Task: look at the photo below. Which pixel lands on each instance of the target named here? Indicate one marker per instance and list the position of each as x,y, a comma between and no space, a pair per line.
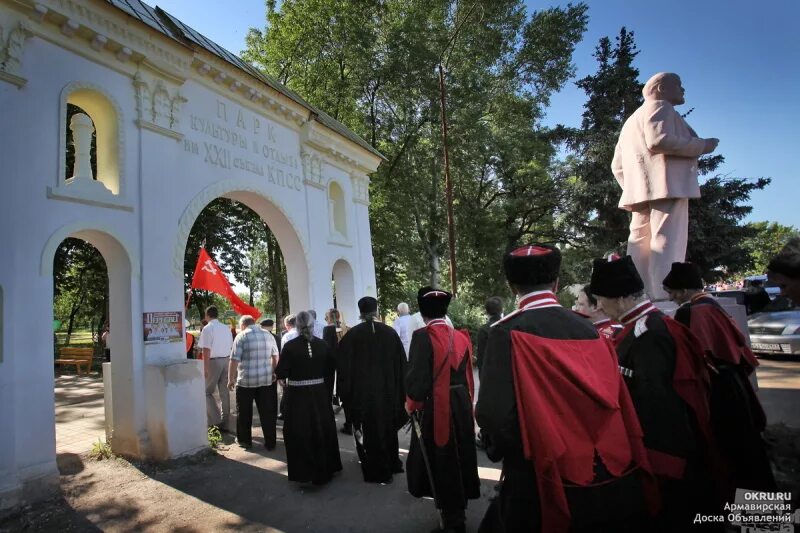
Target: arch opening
344,295
92,324
257,247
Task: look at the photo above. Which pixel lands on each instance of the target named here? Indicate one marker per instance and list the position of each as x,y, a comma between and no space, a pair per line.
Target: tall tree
767,240
234,235
716,232
372,65
613,94
80,285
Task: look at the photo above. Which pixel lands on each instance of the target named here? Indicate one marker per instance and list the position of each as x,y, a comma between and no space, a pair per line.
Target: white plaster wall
29,151
166,184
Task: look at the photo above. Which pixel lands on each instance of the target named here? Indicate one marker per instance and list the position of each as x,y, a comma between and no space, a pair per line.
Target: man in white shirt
404,326
215,343
319,325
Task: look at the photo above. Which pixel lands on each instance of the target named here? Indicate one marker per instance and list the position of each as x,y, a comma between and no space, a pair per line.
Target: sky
739,62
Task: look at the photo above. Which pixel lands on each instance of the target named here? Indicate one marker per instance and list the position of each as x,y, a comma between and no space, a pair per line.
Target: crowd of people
612,416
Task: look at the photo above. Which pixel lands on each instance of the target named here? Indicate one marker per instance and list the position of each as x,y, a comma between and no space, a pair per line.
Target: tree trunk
435,268
273,265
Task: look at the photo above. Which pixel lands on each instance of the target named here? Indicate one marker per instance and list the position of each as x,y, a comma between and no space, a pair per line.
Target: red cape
720,335
450,346
572,404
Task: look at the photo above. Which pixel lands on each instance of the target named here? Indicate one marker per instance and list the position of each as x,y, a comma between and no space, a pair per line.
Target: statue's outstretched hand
711,145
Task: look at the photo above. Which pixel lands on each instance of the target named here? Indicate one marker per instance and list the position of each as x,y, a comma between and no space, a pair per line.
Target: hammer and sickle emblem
208,266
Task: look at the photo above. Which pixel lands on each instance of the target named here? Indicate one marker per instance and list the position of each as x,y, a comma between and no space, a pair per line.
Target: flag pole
191,289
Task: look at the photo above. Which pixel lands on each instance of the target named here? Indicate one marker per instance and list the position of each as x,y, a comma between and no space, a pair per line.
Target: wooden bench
76,356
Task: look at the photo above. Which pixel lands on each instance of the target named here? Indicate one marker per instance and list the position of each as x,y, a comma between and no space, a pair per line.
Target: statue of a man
655,163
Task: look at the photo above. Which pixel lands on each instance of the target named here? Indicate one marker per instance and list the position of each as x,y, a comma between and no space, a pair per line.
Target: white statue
655,163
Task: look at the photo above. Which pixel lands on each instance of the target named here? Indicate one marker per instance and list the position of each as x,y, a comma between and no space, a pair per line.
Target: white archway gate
180,124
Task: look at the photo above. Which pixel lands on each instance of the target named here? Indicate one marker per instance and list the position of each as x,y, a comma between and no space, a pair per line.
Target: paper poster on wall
163,327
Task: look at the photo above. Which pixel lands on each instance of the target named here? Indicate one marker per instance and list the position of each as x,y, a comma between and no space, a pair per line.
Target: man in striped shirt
254,357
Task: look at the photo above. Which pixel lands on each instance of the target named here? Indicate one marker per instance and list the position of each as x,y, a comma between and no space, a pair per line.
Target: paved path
80,415
779,390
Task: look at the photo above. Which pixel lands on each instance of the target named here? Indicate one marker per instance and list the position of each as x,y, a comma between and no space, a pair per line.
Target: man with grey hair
403,325
655,164
254,357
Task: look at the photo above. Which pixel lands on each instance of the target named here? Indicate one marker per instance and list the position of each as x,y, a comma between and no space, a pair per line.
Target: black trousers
266,399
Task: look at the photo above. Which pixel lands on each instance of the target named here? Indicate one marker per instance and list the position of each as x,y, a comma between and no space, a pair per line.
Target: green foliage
613,94
100,450
767,240
716,232
80,286
245,249
214,437
373,66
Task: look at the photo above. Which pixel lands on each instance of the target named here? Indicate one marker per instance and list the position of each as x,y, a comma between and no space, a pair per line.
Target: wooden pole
448,185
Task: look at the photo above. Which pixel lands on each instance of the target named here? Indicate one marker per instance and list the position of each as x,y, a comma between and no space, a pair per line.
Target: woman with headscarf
309,428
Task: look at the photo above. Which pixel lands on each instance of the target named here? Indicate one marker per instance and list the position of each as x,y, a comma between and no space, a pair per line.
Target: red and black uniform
605,327
439,384
737,417
556,412
668,380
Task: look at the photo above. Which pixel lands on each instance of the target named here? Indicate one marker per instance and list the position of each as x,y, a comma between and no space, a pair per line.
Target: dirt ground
232,490
237,490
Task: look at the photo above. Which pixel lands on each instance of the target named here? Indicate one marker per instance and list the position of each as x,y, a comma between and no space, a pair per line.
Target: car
776,329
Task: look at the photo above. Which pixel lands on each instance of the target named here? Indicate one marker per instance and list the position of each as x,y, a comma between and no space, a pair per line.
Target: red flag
209,277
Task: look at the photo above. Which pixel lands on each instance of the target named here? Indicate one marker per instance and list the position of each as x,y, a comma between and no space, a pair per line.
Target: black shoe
347,429
245,445
269,448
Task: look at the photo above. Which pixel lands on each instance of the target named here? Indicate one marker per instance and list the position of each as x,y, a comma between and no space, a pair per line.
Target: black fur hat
432,302
532,264
615,277
684,276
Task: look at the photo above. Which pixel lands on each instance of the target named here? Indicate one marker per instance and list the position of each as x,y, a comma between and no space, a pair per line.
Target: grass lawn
79,337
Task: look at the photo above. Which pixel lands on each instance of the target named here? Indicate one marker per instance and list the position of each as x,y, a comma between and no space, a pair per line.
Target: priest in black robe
370,366
309,427
666,373
554,409
737,417
439,386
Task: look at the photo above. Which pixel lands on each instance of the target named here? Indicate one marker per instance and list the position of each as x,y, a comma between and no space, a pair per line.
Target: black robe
370,365
309,427
455,465
483,340
737,418
608,506
332,340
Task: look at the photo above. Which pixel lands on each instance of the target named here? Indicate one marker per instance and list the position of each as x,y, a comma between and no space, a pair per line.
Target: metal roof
168,25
